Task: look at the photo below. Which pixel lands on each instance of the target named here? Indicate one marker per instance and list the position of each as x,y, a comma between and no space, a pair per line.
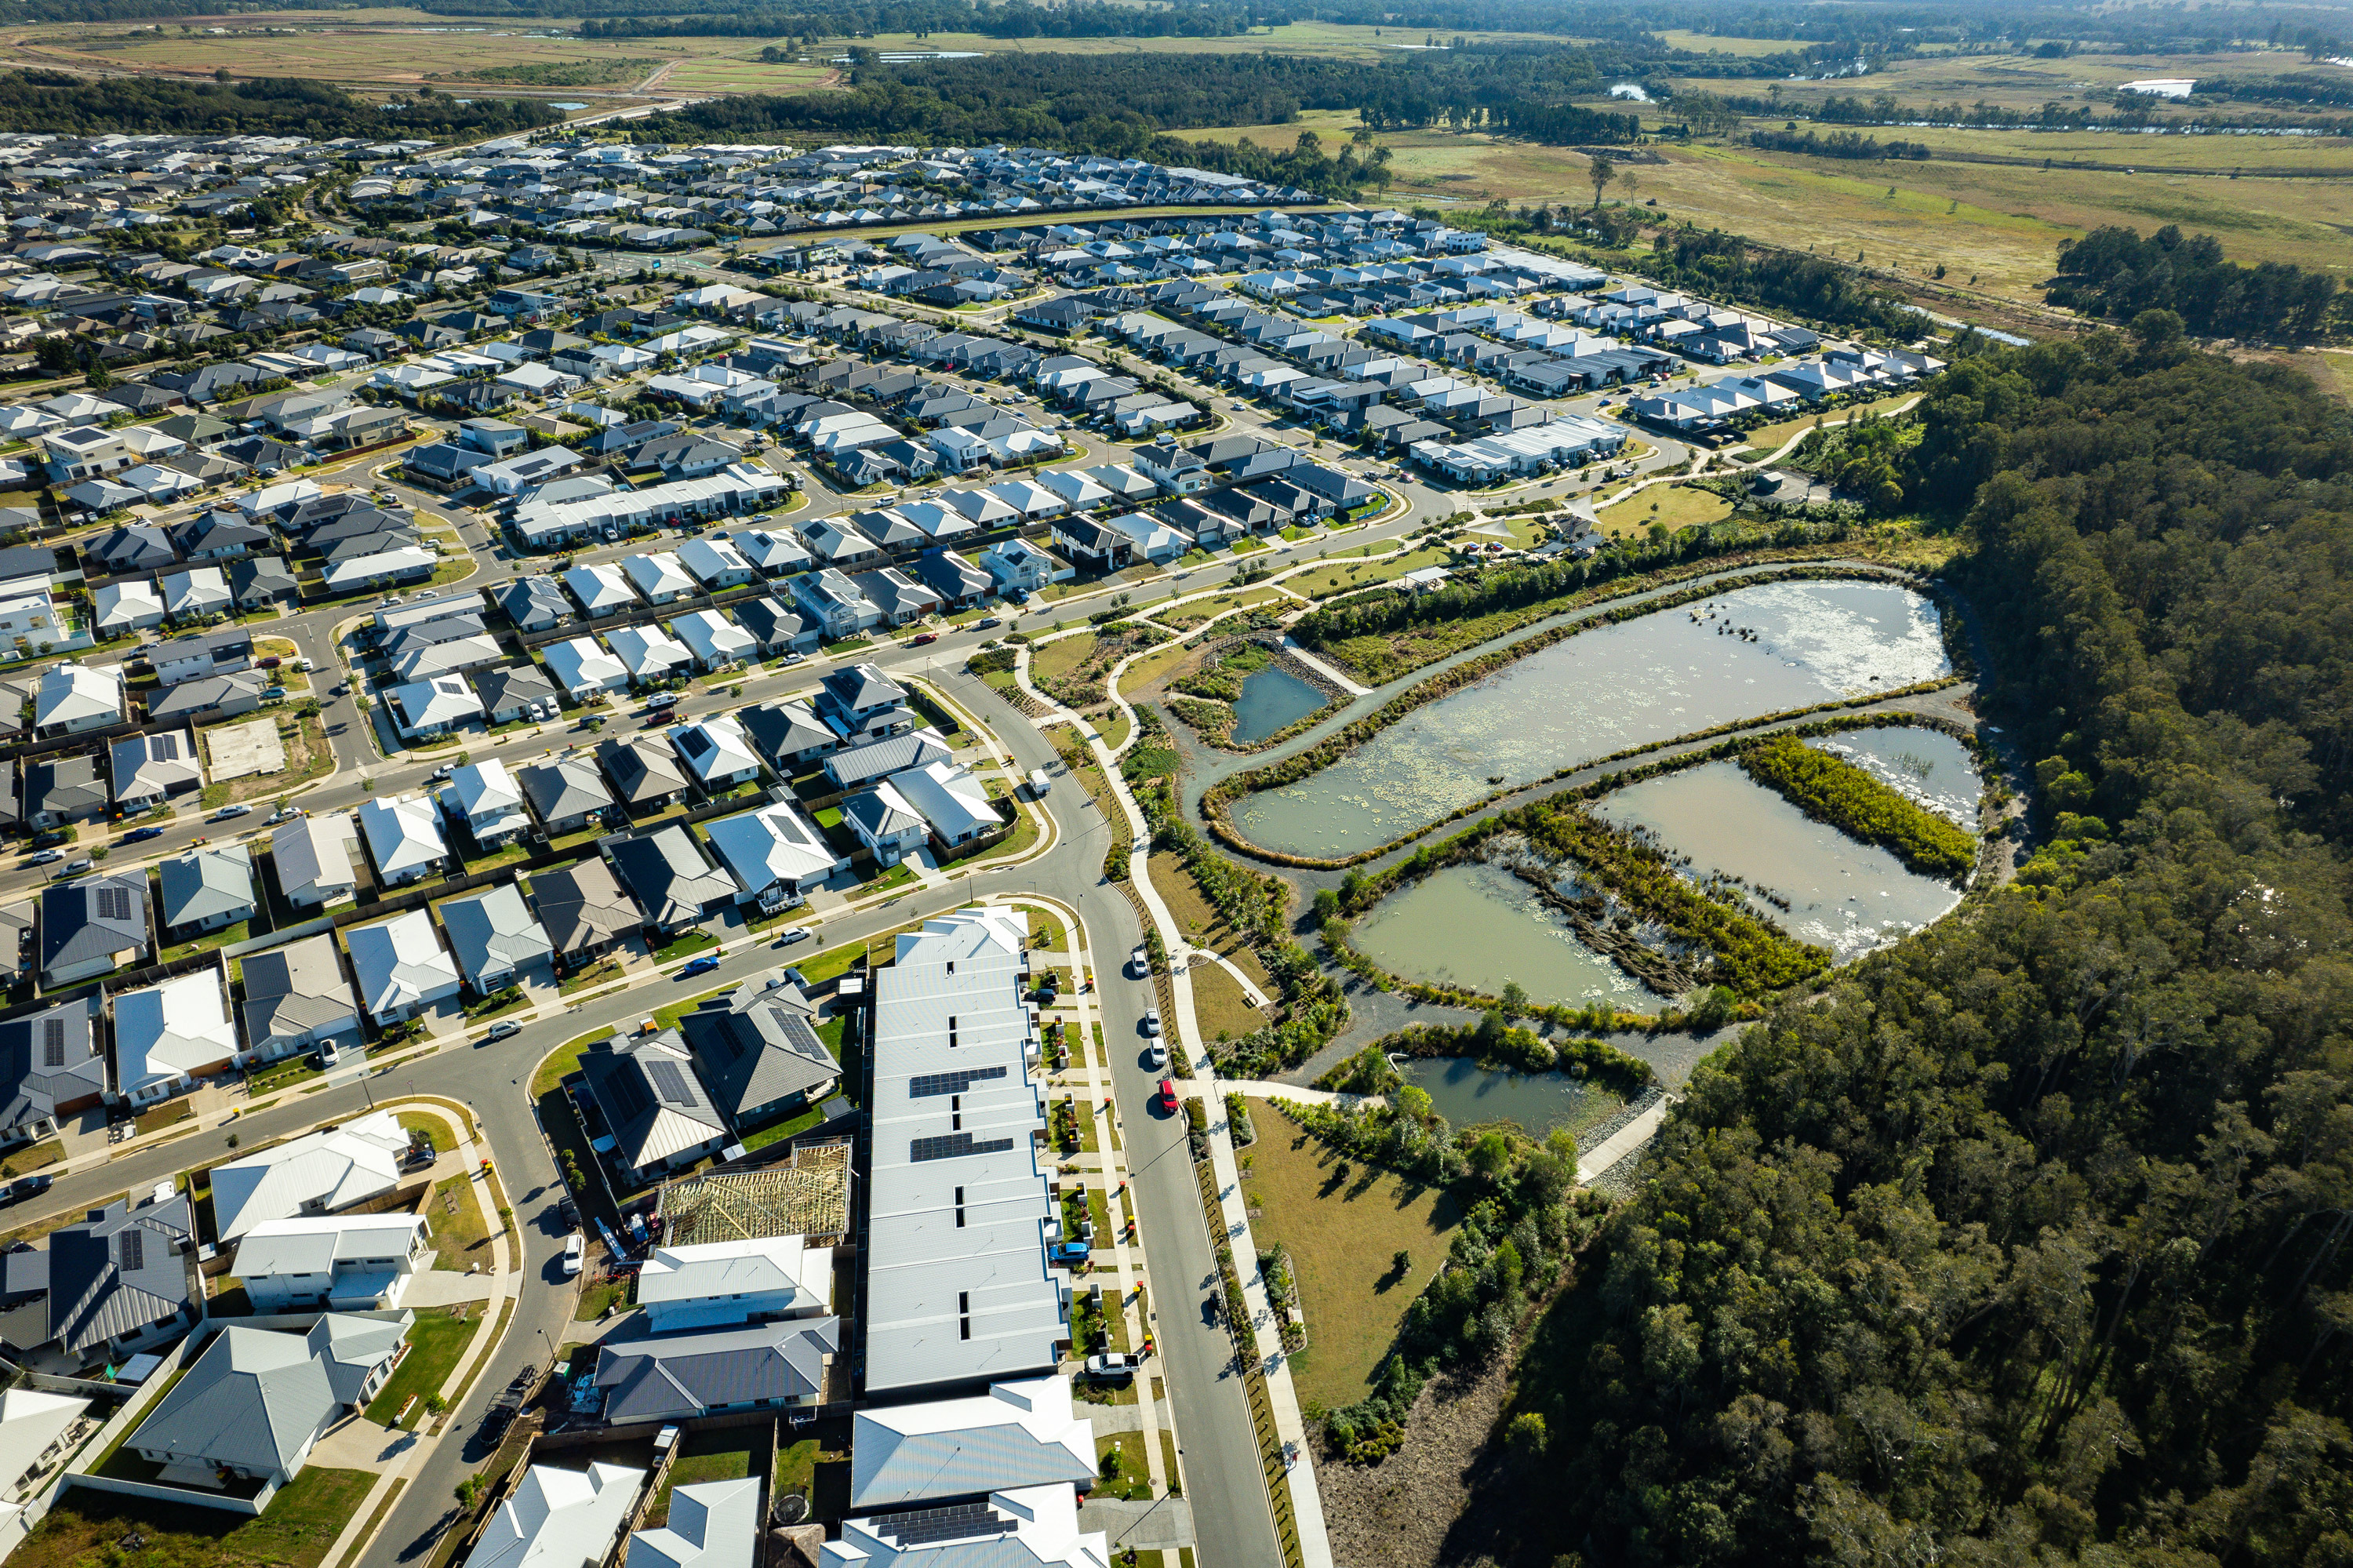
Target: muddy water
1643,680
1929,768
1467,1094
1479,926
1272,699
1847,896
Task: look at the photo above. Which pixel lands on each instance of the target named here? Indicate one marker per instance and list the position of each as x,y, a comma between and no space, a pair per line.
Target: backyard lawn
85,1527
1343,1223
436,1340
721,1456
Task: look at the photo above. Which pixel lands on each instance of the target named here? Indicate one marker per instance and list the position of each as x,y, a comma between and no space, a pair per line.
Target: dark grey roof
294,989
758,1047
779,730
46,1060
668,874
261,577
692,1374
191,699
584,905
768,622
880,819
507,686
562,787
70,786
654,1104
91,918
135,547
862,686
101,1284
640,771
432,633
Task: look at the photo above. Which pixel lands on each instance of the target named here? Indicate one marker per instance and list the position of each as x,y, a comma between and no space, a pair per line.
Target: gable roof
319,1173
558,1519
209,881
711,1524
1018,1434
49,1059
654,1105
564,787
254,1399
687,1375
399,961
98,1287
758,1045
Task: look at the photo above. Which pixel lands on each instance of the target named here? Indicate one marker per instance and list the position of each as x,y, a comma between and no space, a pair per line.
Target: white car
1136,962
1156,1053
1152,1021
575,1251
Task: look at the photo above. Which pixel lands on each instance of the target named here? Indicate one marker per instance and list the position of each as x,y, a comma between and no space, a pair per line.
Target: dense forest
1814,287
1850,144
1016,19
2028,1244
72,105
2114,272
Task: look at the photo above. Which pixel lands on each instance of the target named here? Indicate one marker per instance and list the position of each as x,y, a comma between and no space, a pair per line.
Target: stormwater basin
1750,653
1479,926
1466,1093
1847,896
1932,769
1272,700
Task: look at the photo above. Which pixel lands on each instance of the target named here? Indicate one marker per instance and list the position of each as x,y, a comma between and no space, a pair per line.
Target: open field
1708,44
1676,506
1343,1223
2011,81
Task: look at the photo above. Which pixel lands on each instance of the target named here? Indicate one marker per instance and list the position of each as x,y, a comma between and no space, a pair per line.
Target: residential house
666,871
319,1174
659,577
433,706
206,889
1024,1433
583,911
297,999
776,853
777,1366
566,792
121,1280
201,702
534,604
715,563
345,1263
560,1519
509,693
772,628
167,1036
650,653
52,1068
313,860
1037,1526
860,703
758,1051
92,927
497,941
257,1402
151,769
404,838
644,772
745,1279
952,800
788,734
584,669
711,1525
482,797
855,766
654,1109
401,967
885,823
63,789
73,699
717,755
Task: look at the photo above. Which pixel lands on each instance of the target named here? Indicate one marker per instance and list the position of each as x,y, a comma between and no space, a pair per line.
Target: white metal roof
1021,1434
323,1170
167,1030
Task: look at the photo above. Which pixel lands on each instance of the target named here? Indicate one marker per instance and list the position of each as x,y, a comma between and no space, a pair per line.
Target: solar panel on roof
134,1251
955,1145
53,1042
166,747
670,1083
924,1085
964,1522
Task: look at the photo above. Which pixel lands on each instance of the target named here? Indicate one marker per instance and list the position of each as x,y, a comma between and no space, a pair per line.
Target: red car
918,642
1169,1094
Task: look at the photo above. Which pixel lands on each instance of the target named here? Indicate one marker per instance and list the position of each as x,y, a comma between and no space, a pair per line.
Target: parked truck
510,1403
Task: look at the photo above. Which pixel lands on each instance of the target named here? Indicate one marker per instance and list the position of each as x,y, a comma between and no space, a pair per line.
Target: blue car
140,835
1071,1253
702,966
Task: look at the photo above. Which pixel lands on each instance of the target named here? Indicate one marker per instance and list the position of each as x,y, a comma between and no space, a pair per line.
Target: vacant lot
1342,1223
86,1528
1676,506
460,1237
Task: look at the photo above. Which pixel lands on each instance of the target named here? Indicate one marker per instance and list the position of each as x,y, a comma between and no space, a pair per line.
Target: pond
1929,768
1478,926
1751,651
1847,896
1467,1094
1272,699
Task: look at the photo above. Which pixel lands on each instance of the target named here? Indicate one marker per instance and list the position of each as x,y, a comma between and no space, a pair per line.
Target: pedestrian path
1265,1089
1624,1141
1327,670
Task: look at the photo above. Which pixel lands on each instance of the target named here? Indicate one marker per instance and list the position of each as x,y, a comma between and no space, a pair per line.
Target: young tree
1602,172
